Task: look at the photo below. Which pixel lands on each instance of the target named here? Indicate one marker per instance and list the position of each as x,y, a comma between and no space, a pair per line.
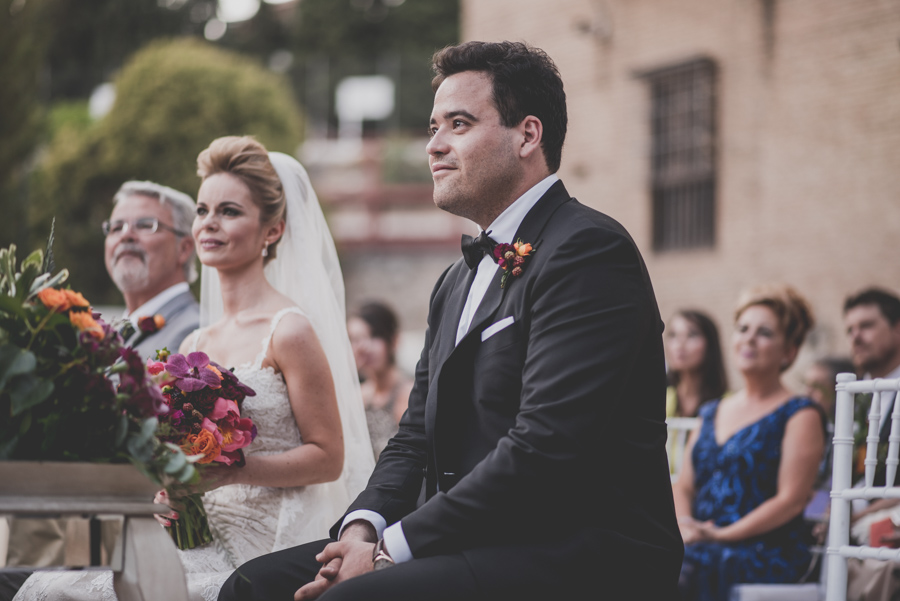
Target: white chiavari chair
842,490
679,429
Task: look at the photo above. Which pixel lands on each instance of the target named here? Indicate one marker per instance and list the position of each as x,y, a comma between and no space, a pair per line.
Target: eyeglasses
143,226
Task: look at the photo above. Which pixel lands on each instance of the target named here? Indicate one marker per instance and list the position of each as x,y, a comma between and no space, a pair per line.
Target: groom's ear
531,131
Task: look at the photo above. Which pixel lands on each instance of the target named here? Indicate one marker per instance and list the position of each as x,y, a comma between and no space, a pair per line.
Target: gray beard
131,277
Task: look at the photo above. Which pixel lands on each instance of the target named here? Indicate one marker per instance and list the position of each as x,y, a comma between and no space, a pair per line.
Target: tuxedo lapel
529,232
455,304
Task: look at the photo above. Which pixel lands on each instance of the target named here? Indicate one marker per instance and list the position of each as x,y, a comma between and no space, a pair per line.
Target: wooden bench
145,562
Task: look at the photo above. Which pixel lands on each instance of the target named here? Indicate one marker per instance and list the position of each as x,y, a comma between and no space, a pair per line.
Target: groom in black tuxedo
531,462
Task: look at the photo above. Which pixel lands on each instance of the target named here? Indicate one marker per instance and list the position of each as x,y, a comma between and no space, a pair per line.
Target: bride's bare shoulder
293,326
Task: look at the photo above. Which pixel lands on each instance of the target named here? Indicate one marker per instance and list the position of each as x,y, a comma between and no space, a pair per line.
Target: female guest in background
694,360
754,460
385,389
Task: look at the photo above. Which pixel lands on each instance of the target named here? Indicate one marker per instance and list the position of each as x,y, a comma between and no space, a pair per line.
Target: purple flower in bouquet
103,348
232,388
193,372
148,401
144,397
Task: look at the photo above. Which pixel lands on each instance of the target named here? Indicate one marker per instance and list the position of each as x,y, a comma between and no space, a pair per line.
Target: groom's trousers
282,573
519,574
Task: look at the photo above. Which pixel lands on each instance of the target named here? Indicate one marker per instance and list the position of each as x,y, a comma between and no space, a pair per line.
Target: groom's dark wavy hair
525,80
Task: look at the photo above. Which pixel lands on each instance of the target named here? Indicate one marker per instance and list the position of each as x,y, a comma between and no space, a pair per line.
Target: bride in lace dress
272,294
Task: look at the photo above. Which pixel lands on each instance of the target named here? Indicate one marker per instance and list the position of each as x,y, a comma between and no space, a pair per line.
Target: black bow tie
474,249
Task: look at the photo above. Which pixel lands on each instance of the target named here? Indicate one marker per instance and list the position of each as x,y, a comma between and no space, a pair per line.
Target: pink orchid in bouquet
204,420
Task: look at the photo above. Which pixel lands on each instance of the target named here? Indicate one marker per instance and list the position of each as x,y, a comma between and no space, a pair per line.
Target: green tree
172,98
91,39
23,45
339,38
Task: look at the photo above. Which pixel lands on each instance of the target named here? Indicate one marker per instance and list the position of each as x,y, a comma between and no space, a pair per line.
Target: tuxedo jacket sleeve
552,427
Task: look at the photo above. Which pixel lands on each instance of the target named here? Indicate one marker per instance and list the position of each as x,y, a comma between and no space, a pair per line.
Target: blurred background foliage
172,99
272,76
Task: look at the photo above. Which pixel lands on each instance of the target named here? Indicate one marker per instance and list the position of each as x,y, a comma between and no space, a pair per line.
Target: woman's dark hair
525,82
382,322
713,380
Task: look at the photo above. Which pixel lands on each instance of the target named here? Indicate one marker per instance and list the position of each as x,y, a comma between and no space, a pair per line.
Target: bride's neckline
261,356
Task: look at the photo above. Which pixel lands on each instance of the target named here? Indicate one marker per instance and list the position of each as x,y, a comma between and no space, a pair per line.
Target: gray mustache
128,247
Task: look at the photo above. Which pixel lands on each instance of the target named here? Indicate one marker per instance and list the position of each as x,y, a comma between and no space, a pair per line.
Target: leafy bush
173,98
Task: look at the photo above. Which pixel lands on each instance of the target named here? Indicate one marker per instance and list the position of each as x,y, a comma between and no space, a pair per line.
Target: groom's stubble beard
484,191
130,273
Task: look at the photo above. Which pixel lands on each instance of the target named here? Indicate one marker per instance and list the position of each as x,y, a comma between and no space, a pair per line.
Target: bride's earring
265,251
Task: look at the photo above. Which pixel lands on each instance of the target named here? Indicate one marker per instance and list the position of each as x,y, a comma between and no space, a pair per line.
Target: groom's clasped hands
342,560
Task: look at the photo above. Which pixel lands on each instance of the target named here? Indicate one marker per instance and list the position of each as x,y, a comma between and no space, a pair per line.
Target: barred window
683,155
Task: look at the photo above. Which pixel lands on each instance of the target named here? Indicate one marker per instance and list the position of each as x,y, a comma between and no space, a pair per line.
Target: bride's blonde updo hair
248,160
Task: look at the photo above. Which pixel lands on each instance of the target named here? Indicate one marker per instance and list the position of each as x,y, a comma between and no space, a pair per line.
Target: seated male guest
150,254
531,462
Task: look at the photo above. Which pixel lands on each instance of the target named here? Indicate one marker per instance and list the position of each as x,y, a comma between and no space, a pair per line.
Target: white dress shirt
501,231
152,306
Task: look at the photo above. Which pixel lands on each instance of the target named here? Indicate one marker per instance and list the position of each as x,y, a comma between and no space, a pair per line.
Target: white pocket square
493,329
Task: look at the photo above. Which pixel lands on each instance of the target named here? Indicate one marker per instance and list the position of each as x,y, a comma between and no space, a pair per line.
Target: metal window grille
683,155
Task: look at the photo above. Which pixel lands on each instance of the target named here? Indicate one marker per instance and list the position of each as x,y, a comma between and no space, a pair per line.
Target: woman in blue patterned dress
754,460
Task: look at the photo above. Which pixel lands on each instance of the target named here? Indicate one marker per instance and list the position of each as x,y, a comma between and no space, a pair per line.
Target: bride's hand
162,498
214,476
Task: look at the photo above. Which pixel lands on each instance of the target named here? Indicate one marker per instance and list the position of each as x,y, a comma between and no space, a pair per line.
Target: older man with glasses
150,256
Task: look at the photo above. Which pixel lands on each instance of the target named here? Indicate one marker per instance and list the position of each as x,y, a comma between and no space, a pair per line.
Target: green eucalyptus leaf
176,463
27,391
142,450
188,473
14,361
148,428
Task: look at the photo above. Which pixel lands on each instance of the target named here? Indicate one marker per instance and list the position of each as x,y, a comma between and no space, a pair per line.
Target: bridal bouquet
204,419
69,388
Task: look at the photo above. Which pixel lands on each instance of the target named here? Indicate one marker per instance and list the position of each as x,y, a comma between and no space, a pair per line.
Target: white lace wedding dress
246,521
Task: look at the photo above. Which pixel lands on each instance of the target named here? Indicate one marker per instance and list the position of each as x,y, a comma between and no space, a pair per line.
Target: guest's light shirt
502,230
152,306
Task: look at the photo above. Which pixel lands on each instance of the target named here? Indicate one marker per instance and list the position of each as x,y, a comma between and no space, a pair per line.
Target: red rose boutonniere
511,258
151,324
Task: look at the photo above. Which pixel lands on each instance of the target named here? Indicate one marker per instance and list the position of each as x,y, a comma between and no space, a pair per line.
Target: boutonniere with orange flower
511,258
151,324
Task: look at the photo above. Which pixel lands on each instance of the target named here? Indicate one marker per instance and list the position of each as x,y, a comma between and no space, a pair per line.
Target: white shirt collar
152,306
505,225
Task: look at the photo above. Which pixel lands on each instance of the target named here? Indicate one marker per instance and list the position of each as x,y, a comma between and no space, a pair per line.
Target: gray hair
180,204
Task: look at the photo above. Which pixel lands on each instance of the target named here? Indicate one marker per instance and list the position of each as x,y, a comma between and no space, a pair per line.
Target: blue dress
730,481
